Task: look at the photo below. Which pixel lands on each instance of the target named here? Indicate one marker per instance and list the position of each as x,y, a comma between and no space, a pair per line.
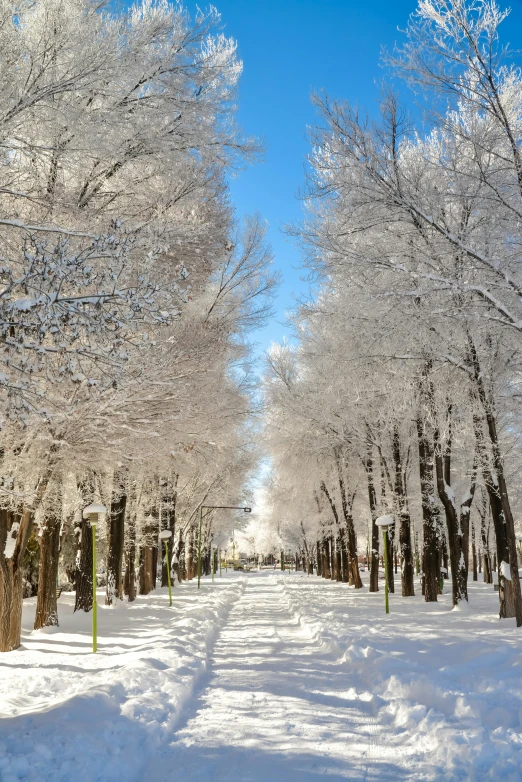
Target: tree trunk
116,535
372,498
83,579
338,559
177,564
146,571
149,546
474,553
389,551
344,556
46,605
429,521
327,573
407,571
11,576
354,577
170,508
129,580
459,570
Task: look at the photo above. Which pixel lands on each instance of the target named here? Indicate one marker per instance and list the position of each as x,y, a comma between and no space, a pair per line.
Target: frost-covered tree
127,291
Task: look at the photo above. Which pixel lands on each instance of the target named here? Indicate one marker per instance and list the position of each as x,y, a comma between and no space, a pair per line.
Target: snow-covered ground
266,676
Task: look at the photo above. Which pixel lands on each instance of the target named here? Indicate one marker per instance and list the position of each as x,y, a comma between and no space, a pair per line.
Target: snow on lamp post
213,507
164,535
385,522
92,512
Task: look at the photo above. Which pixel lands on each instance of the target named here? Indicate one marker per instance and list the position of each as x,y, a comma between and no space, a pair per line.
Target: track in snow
275,706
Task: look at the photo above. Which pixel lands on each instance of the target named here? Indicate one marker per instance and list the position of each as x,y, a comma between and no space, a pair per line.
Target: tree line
401,392
127,289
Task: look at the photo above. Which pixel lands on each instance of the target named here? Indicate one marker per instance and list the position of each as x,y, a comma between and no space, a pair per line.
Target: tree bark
429,521
116,535
354,577
474,555
11,576
375,540
406,548
149,547
338,558
170,507
129,579
146,570
459,570
47,605
344,555
83,579
327,573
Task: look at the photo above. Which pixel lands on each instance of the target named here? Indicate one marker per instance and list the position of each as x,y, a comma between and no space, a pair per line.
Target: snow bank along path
311,681
72,716
269,676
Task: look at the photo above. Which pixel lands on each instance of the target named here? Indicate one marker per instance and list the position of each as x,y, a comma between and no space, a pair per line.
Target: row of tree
127,289
401,394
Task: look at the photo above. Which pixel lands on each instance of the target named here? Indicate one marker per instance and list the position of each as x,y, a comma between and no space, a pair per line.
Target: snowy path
266,677
277,706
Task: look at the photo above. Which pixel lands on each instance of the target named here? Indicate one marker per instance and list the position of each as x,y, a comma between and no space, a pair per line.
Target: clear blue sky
290,48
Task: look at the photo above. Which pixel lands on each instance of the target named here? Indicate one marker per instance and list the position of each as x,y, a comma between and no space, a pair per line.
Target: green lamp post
165,536
93,512
213,507
385,522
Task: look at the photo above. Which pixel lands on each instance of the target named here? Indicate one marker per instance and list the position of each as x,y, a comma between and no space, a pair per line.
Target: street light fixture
385,522
92,512
213,507
164,536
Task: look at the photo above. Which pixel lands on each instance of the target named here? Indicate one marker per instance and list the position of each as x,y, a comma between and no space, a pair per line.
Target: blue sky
290,48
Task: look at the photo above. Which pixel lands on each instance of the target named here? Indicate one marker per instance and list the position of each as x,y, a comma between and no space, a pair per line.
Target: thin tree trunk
83,580
327,573
146,574
459,571
129,580
170,506
344,555
372,498
407,571
46,605
149,546
429,525
389,547
474,553
116,535
338,558
354,576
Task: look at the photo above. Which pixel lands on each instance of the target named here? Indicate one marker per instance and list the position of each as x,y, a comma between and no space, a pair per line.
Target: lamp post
385,522
213,507
165,535
92,512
